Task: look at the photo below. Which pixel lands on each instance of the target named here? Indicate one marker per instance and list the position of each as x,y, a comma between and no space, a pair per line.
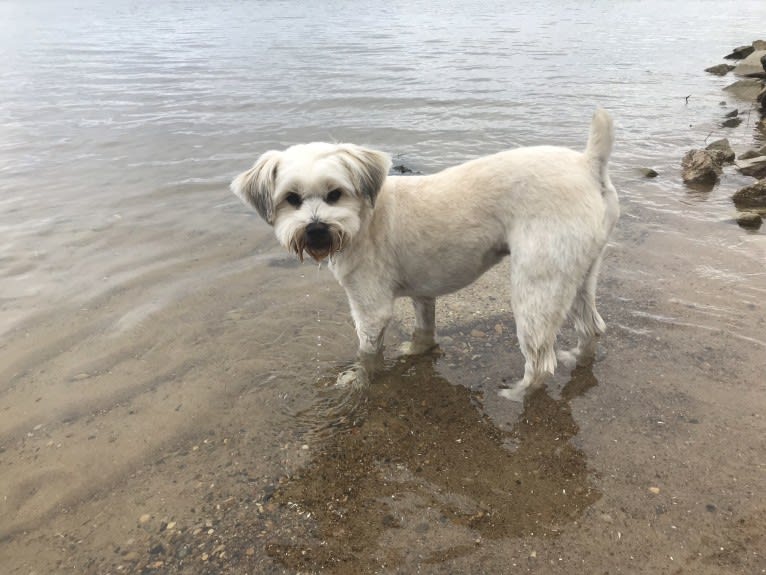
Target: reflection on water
423,459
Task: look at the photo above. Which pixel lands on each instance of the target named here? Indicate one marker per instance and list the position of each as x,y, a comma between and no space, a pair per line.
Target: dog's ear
255,187
368,169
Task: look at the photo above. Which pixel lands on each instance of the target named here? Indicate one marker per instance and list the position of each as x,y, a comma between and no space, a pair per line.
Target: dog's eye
333,196
294,199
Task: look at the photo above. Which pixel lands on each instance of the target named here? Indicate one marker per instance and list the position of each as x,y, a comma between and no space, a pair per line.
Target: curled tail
600,140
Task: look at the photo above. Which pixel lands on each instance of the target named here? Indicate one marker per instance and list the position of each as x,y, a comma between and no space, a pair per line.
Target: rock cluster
704,167
751,67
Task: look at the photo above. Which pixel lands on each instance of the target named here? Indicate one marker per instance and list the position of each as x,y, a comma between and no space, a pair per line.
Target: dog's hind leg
425,325
540,299
588,324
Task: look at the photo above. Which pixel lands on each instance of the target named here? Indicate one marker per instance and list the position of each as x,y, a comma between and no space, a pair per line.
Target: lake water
163,362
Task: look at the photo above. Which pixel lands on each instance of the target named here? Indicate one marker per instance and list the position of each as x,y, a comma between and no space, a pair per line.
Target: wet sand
180,421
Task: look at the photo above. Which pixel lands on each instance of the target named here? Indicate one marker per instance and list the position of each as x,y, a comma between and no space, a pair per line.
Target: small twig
687,99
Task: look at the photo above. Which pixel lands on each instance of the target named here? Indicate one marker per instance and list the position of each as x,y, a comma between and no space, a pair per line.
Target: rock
699,167
763,63
748,154
761,98
731,122
747,89
720,69
648,172
749,220
721,151
753,196
739,53
759,45
157,549
750,64
755,167
144,518
732,114
401,169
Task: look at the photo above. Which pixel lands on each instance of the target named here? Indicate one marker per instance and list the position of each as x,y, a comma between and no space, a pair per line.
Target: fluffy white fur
551,209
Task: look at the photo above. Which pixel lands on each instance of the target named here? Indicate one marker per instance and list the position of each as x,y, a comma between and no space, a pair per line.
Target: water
160,355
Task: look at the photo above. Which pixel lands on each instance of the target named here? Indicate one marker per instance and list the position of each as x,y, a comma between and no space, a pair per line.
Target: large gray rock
721,152
751,196
759,45
699,167
755,167
740,52
750,64
747,89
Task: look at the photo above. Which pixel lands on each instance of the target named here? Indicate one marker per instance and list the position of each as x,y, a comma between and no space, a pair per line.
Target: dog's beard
337,241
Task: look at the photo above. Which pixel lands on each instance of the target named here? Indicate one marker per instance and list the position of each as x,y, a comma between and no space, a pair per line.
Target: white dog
550,208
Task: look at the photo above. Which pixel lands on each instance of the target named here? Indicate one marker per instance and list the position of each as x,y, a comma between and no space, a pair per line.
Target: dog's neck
362,250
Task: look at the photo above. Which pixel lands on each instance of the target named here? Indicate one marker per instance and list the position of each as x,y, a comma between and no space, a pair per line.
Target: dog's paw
567,358
353,377
515,393
417,347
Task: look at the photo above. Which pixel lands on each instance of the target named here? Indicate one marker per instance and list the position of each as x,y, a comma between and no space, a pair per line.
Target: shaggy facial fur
552,209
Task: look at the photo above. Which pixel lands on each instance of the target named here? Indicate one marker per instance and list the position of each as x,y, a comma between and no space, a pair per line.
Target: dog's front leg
372,313
425,323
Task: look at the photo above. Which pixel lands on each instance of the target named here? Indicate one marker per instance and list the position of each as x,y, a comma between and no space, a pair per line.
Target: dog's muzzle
319,240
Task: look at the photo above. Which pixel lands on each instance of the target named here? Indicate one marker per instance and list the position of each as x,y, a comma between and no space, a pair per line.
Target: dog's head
315,195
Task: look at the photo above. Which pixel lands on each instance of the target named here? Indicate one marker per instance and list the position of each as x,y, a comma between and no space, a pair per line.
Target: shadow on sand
424,462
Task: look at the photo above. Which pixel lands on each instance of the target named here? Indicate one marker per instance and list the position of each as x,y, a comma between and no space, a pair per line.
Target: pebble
750,220
654,490
649,173
250,551
477,333
144,518
157,549
205,556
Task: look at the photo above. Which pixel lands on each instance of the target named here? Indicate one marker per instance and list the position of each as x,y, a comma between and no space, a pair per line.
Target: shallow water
164,362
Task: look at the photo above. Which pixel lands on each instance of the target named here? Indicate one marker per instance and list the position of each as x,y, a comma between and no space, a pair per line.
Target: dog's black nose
317,230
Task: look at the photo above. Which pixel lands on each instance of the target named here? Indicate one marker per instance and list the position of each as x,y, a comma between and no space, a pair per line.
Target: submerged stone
749,220
720,69
751,196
